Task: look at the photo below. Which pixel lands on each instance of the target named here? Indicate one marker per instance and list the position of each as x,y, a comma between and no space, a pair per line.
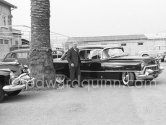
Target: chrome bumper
148,74
12,88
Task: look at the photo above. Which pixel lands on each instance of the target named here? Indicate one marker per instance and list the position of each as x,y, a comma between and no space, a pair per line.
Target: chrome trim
143,75
11,88
110,71
144,69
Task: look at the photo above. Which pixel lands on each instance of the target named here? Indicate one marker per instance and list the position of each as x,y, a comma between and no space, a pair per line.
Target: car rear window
22,55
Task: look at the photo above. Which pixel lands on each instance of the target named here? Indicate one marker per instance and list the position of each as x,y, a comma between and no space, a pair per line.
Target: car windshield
112,52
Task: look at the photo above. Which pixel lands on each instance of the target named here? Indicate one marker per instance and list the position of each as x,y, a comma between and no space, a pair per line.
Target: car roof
25,50
21,50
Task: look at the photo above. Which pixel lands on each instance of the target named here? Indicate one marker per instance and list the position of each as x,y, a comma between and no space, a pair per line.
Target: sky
99,17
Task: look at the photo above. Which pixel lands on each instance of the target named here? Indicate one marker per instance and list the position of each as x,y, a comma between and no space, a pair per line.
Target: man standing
74,61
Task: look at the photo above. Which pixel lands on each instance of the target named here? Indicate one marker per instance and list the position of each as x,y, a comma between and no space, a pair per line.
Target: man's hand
72,64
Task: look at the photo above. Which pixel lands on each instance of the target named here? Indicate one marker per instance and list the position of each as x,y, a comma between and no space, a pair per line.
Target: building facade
132,44
8,36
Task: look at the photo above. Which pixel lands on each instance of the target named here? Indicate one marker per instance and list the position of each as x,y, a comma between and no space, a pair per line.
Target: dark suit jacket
73,57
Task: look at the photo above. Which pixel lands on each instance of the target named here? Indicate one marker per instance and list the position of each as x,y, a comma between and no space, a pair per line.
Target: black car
111,63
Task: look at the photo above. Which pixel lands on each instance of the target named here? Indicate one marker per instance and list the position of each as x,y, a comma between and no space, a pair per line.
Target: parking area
139,105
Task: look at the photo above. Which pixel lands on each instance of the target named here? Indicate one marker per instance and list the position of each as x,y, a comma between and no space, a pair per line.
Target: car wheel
2,94
128,78
14,93
162,60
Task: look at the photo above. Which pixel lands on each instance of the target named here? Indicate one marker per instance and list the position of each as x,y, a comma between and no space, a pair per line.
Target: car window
8,55
84,54
11,55
22,55
90,54
107,53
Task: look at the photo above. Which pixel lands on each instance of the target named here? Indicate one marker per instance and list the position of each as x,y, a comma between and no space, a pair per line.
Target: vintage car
21,56
111,63
6,88
57,53
158,52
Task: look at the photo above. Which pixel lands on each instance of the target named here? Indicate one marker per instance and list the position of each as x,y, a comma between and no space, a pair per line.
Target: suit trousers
75,73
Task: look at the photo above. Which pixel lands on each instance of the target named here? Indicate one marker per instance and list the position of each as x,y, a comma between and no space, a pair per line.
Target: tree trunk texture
41,61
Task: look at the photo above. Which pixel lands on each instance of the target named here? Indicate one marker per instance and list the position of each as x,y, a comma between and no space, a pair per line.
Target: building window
16,42
6,41
4,20
140,43
123,44
9,19
1,41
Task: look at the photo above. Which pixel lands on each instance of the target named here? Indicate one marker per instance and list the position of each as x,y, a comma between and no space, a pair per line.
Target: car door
90,63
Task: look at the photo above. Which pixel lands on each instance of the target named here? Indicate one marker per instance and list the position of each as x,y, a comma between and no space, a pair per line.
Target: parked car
57,53
14,60
99,63
21,56
111,63
5,85
159,52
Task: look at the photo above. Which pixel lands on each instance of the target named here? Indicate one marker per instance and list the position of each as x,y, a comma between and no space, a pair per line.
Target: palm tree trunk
41,62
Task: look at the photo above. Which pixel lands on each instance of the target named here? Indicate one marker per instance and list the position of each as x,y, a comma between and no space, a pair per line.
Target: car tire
128,78
162,60
14,93
2,94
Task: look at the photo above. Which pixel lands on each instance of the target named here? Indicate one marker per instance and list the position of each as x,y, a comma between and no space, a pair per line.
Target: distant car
158,52
57,53
5,85
14,60
111,63
21,56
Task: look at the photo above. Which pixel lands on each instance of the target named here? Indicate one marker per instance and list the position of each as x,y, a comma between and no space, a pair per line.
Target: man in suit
74,61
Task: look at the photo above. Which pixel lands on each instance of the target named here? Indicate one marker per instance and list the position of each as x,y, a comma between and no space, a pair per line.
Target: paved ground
116,105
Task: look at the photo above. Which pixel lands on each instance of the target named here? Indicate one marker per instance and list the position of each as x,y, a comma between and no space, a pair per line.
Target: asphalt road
110,105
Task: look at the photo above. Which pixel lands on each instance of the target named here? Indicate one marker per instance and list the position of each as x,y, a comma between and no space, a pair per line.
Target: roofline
142,37
9,4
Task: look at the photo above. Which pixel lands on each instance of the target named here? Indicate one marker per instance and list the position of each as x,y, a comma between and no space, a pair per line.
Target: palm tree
40,59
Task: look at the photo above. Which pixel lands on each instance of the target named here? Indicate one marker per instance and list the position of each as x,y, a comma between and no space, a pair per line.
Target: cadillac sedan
110,63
